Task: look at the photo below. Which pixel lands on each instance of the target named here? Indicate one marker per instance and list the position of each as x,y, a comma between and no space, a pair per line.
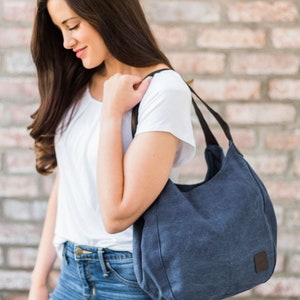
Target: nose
69,41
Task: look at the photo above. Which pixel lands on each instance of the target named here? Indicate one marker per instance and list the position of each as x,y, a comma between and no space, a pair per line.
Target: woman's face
78,34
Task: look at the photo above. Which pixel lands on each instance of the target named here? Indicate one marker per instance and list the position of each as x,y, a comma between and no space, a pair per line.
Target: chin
90,65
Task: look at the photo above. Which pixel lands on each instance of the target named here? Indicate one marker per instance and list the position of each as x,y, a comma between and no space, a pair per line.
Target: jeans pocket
123,271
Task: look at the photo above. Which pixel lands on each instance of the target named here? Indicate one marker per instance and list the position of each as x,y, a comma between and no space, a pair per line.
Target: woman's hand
123,92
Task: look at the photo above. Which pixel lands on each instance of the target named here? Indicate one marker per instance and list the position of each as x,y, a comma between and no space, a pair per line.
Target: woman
92,59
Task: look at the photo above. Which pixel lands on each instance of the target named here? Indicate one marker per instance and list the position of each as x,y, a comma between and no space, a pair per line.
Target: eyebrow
65,21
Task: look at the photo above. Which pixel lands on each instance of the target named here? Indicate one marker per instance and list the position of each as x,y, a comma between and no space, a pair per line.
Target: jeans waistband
81,253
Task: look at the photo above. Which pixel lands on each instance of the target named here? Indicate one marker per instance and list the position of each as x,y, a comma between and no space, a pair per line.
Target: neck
113,66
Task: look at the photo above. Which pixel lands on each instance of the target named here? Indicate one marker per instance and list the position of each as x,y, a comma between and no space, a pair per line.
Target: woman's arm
46,253
128,185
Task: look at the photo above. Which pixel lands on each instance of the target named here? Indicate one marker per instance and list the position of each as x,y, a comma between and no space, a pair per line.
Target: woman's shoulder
168,76
167,89
168,82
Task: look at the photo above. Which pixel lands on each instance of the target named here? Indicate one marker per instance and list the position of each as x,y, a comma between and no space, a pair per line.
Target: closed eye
74,27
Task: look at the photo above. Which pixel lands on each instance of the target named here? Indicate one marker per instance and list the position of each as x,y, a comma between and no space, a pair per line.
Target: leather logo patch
261,262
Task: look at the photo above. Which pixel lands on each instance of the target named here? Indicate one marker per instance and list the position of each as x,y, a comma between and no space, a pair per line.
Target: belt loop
102,262
64,254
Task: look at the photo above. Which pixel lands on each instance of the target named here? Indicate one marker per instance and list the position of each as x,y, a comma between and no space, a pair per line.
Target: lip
80,52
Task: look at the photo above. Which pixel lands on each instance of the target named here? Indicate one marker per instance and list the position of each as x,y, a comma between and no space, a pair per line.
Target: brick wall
244,58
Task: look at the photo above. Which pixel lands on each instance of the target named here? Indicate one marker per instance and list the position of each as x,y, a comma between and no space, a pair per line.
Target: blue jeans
90,273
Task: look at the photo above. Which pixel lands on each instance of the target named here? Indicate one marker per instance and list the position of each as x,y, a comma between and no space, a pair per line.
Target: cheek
100,50
93,59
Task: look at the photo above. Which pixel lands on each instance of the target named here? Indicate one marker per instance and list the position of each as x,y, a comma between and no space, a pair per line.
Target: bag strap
217,116
209,136
135,109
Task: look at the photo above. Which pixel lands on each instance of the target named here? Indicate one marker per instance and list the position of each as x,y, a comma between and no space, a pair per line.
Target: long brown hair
62,79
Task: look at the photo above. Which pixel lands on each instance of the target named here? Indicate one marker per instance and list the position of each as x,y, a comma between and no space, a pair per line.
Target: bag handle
209,136
217,116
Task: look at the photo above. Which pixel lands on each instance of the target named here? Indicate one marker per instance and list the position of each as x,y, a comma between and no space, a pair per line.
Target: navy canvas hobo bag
209,240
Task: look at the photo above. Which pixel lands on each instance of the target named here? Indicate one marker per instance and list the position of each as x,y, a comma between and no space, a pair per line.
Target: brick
280,89
171,37
18,186
1,111
18,11
21,257
8,280
280,287
20,234
18,88
260,113
15,137
231,89
18,62
187,11
264,64
268,164
262,11
21,210
201,63
207,115
286,38
294,264
297,166
15,37
280,214
20,162
288,242
293,219
47,184
244,138
19,113
1,258
230,38
280,263
286,191
282,140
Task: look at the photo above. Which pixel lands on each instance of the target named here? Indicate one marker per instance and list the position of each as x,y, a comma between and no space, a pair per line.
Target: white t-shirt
166,106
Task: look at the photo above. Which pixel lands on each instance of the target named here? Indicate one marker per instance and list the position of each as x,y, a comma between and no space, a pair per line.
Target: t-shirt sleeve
166,106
